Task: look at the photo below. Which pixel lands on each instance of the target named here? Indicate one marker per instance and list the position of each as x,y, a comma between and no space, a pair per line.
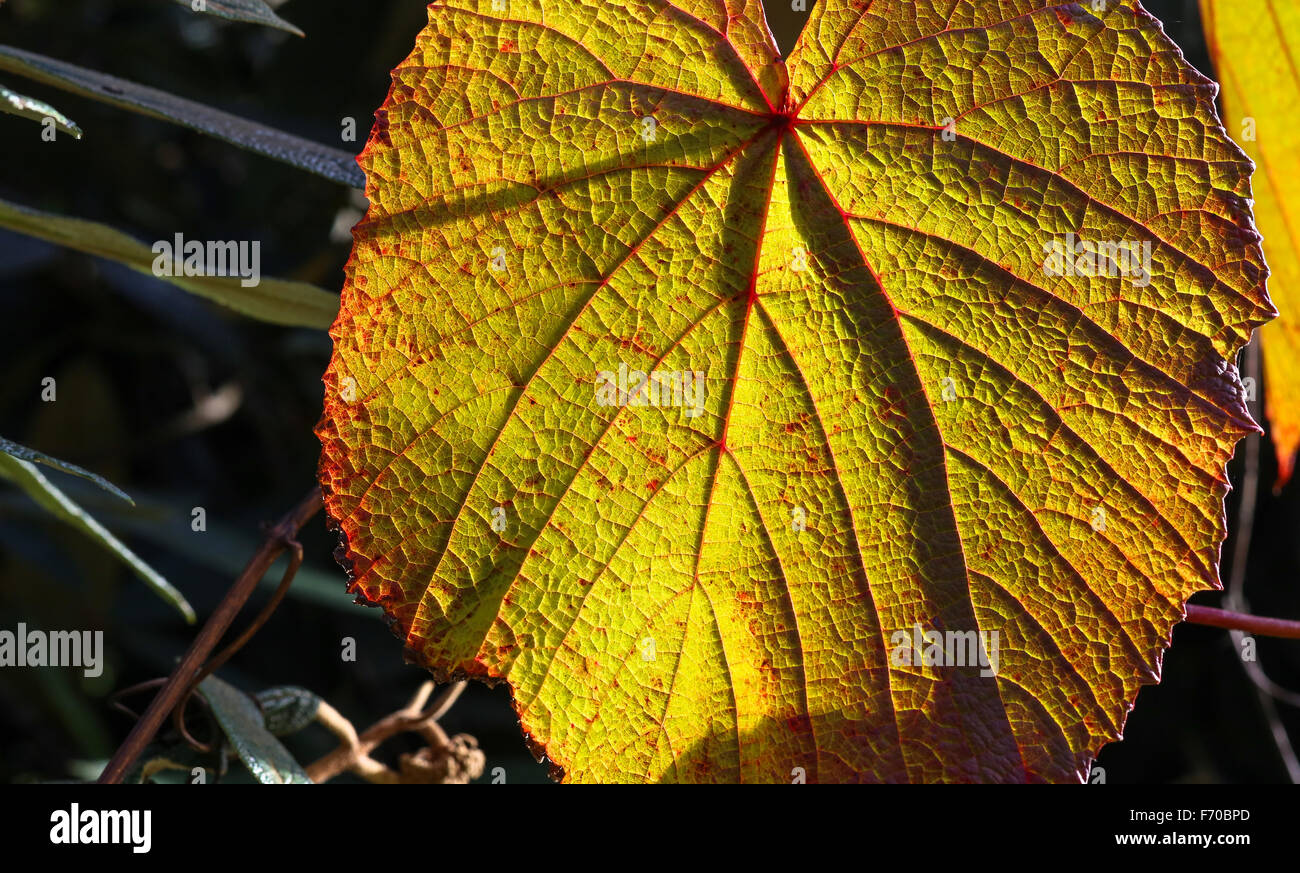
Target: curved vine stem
190,669
1238,622
215,663
353,752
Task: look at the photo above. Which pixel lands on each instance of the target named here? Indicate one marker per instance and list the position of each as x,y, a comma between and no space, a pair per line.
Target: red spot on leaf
799,724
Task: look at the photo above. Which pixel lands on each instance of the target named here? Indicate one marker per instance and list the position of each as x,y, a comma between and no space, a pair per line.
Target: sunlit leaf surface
909,420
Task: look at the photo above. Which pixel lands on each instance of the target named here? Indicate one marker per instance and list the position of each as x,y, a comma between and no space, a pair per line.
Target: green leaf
279,301
18,104
332,163
287,709
10,447
251,11
225,549
879,414
241,721
25,475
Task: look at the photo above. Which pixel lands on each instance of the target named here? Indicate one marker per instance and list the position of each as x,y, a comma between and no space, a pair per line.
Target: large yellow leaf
1255,45
906,425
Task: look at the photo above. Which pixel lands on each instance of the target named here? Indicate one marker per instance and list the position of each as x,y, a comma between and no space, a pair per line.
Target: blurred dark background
185,404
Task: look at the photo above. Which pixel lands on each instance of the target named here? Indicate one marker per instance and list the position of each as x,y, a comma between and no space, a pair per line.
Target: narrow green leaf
251,11
26,107
25,475
278,301
23,452
224,548
241,720
332,163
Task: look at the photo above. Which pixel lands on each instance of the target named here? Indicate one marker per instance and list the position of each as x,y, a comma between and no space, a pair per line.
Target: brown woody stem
178,683
354,751
1254,624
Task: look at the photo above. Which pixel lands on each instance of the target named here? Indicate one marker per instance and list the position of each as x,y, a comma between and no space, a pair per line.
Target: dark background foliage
185,404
